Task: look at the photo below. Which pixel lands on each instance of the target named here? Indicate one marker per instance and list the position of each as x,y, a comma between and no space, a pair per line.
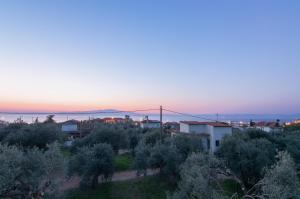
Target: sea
61,117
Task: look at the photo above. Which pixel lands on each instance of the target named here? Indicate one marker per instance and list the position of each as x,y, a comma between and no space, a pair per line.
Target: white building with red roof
211,132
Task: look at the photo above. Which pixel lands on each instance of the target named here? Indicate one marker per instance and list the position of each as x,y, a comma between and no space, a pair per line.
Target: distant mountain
101,111
64,112
93,111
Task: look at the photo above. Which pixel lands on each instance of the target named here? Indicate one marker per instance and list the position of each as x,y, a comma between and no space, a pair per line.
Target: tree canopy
199,178
247,157
281,180
91,162
108,134
33,135
30,174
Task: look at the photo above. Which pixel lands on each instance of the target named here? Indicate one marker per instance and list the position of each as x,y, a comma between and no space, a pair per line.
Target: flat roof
150,121
214,124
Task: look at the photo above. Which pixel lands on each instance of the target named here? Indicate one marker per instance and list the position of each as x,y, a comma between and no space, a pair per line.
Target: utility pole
161,124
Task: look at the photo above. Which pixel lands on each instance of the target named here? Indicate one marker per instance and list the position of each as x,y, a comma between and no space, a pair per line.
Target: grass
66,153
124,162
231,187
150,187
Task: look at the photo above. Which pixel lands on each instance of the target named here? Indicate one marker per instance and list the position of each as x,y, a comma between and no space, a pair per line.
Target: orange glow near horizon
64,107
18,106
193,107
43,107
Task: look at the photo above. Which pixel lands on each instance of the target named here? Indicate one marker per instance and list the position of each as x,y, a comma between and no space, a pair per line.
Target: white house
69,126
150,124
269,127
211,132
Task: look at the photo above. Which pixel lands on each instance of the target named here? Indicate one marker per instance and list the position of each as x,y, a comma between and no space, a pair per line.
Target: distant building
70,126
172,126
113,120
150,124
240,125
211,133
296,122
269,127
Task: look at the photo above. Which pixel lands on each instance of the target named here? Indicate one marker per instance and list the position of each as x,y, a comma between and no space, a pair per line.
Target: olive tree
34,135
30,174
92,162
141,159
281,180
11,128
134,136
167,156
247,157
290,141
49,119
108,134
199,179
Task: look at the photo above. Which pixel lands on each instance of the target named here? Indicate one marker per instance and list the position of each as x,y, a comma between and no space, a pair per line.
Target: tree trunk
95,182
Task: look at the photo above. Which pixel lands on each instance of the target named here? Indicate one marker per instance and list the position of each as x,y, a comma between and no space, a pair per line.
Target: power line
134,112
189,115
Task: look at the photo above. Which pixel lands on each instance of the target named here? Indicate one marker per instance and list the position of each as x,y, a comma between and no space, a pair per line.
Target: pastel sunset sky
192,56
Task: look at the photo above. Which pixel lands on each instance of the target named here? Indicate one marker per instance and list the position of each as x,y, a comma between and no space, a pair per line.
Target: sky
193,56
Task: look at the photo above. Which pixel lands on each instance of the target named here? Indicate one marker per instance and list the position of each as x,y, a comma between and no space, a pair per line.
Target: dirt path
119,176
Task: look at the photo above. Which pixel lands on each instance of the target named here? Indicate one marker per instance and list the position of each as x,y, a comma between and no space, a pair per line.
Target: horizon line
115,111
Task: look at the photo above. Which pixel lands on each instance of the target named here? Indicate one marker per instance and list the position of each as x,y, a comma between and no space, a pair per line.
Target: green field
66,153
124,162
230,187
150,187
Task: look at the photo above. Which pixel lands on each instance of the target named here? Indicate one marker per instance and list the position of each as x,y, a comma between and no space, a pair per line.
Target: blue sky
193,56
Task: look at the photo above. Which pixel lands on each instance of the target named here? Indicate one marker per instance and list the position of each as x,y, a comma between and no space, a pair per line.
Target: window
208,143
217,143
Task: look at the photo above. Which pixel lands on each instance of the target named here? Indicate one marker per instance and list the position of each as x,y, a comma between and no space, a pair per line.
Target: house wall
187,128
215,133
184,128
218,133
198,128
150,125
69,127
266,129
272,130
